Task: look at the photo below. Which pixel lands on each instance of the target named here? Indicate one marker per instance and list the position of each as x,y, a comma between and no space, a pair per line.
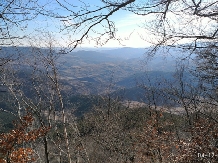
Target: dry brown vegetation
111,132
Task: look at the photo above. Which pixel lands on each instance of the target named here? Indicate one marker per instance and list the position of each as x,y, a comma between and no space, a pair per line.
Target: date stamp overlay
208,157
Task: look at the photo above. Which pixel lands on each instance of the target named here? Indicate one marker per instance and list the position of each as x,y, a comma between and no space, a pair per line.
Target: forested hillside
108,81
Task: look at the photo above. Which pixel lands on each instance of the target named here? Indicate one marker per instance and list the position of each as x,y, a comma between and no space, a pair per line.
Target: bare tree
15,16
173,24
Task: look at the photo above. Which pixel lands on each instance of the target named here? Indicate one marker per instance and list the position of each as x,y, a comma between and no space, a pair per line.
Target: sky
129,26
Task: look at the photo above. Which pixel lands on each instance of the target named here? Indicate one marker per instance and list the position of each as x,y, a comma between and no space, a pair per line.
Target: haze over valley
120,72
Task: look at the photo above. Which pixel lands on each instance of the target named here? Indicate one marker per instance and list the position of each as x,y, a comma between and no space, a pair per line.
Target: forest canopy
44,127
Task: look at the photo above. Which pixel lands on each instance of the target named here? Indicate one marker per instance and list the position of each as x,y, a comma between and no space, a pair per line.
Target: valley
121,72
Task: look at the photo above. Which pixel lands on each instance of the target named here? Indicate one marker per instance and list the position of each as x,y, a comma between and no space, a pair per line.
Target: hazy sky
129,25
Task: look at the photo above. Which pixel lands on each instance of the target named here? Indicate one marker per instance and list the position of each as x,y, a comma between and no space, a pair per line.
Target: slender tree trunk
57,87
46,149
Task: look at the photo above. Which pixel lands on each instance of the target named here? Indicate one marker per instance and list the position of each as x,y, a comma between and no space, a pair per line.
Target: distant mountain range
89,72
95,67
